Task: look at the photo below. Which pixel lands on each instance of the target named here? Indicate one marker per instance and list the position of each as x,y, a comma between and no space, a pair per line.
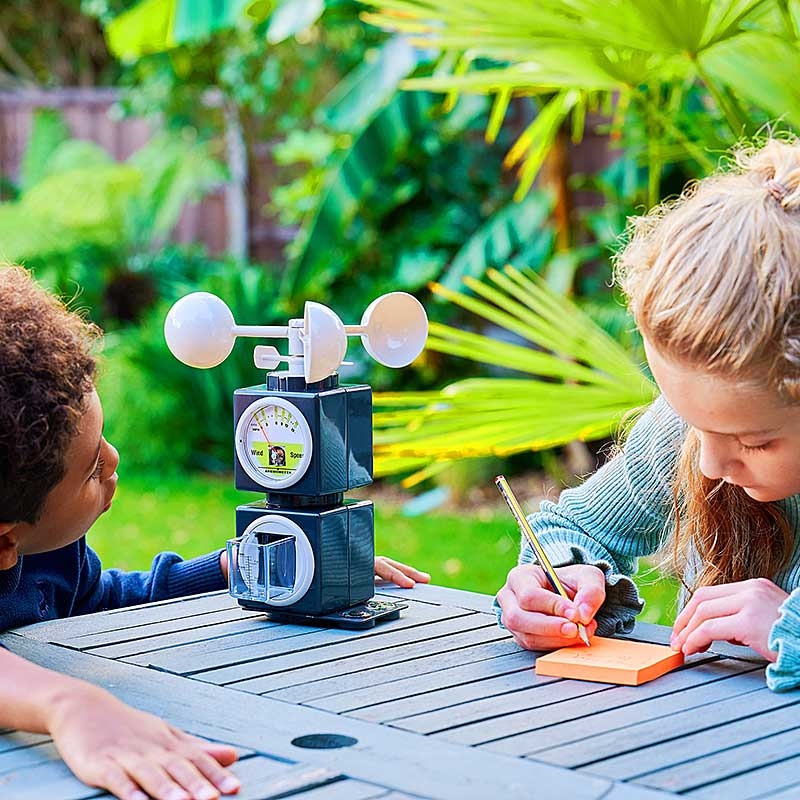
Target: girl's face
82,495
748,436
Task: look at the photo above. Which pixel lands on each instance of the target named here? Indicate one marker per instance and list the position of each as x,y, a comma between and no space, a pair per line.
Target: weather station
303,553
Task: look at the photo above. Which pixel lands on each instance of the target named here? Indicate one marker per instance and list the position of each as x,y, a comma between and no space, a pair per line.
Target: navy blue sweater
71,581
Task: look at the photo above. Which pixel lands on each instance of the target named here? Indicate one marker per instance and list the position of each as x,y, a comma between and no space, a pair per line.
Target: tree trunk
236,206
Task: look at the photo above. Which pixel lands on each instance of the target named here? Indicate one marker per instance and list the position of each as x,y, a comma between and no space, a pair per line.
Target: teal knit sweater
625,510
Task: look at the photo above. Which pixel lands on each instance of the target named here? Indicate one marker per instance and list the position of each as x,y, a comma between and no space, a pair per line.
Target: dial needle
261,428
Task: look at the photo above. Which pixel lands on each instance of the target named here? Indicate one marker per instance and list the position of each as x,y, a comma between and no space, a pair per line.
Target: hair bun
776,189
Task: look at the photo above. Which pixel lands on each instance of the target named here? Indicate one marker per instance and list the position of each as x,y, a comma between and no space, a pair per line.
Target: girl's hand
133,754
401,575
739,613
538,617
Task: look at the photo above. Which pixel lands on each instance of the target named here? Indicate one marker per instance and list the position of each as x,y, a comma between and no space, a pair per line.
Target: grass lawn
196,515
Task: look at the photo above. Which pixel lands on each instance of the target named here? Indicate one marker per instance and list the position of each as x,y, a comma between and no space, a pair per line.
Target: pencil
541,556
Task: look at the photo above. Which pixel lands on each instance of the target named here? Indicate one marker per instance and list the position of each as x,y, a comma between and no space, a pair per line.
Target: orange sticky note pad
610,661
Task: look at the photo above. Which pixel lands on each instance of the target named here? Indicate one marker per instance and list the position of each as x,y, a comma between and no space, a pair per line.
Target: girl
712,471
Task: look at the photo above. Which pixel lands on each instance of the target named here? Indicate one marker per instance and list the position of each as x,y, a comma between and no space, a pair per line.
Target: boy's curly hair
47,370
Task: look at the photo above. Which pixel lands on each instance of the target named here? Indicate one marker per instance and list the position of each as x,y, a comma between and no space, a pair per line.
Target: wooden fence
89,115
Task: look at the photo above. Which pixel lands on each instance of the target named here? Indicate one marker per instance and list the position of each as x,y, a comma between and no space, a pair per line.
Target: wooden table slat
202,627
485,692
15,740
390,681
658,743
277,640
721,764
52,780
603,698
783,779
357,658
455,685
438,705
22,757
119,620
553,728
499,708
285,667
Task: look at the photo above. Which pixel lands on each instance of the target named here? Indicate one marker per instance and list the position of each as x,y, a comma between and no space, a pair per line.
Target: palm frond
581,382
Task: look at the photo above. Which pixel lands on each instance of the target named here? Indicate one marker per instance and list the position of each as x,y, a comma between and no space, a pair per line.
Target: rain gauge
303,553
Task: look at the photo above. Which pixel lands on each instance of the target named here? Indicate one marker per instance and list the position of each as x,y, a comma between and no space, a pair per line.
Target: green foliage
274,82
517,234
193,515
392,203
181,419
175,170
82,218
574,364
644,59
74,189
152,26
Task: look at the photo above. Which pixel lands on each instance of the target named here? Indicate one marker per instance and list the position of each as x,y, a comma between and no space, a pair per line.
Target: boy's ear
8,545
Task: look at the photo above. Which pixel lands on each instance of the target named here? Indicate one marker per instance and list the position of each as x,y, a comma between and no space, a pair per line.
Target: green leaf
360,95
198,20
153,26
349,185
90,202
536,140
174,172
768,83
24,235
416,268
48,131
147,27
292,16
585,382
76,154
515,233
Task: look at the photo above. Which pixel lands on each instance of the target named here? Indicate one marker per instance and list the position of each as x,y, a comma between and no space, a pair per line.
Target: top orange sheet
610,661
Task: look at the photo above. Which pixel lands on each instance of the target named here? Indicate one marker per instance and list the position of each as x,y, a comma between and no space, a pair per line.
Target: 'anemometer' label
277,458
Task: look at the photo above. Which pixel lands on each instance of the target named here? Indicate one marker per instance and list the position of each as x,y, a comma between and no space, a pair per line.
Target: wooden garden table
438,704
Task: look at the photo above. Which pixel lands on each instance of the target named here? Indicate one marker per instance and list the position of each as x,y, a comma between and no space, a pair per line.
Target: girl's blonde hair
713,281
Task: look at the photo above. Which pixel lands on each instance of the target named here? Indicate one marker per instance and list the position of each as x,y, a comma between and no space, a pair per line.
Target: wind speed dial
273,442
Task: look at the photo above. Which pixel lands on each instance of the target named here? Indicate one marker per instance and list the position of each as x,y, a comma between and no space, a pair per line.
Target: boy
57,475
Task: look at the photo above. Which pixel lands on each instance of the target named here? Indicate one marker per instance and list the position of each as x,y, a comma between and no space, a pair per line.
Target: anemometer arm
200,331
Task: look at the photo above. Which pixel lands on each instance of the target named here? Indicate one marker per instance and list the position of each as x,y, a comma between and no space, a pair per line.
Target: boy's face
83,494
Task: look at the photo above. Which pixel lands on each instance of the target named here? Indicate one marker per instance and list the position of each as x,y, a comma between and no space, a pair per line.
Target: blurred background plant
486,162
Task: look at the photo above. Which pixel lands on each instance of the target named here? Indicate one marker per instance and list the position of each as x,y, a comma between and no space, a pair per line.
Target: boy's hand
133,754
223,564
399,574
739,613
538,617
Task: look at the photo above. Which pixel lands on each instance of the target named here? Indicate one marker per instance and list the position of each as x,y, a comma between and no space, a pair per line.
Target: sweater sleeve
618,514
169,576
784,638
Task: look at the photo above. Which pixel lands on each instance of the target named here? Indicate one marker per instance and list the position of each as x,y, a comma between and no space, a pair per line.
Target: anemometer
303,553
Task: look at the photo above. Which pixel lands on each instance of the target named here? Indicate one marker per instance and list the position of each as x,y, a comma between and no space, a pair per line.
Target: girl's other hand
401,575
740,613
541,619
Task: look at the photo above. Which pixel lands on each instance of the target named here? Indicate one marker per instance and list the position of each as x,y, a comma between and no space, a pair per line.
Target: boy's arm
107,743
170,576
